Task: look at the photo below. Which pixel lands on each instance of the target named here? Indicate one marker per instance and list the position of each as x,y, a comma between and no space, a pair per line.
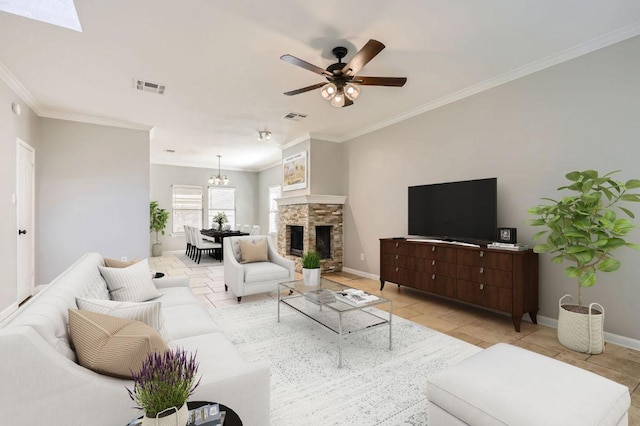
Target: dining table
217,236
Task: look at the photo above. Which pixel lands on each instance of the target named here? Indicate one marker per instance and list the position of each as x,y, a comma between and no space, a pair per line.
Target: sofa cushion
175,296
149,313
254,251
234,242
110,345
188,320
130,284
260,272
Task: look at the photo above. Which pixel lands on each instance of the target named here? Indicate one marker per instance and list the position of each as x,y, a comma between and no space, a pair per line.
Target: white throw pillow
130,284
149,313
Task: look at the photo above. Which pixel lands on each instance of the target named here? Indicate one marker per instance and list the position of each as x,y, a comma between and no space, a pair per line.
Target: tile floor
470,324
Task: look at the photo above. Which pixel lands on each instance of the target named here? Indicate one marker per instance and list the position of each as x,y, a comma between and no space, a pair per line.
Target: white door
25,195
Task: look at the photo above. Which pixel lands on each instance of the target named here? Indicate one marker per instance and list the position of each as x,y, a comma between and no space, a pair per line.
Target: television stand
501,280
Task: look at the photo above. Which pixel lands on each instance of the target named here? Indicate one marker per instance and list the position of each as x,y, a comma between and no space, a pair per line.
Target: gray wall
577,115
326,168
162,177
12,126
93,194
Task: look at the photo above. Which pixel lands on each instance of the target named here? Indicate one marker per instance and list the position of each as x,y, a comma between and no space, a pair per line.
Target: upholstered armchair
252,265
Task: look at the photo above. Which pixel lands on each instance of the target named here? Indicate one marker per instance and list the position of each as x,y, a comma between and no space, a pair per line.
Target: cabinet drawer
398,247
398,260
398,275
485,295
482,275
436,267
434,283
428,251
487,259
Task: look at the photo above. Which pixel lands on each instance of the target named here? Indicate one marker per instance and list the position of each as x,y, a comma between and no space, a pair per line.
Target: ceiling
220,62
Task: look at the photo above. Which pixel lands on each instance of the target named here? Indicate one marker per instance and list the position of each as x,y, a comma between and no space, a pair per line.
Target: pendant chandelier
218,179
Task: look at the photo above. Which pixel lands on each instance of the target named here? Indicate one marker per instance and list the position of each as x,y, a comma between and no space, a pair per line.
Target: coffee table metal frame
297,290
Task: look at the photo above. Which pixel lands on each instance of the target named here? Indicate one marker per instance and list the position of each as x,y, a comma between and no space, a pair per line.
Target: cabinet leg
381,284
533,315
517,319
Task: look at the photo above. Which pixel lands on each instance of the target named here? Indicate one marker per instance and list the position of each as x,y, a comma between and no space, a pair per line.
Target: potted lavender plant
163,385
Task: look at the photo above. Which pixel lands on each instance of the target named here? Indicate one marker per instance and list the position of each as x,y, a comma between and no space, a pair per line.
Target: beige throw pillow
254,251
110,345
115,263
130,284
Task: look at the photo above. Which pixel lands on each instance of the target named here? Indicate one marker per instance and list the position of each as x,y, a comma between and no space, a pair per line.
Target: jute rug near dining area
375,386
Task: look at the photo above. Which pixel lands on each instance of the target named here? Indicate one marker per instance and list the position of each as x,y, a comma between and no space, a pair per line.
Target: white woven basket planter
581,332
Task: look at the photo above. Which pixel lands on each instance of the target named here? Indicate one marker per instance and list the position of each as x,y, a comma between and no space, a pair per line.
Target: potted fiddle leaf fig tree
311,268
158,219
584,228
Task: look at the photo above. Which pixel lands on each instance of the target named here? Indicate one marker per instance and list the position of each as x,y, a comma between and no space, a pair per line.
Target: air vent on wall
295,116
148,86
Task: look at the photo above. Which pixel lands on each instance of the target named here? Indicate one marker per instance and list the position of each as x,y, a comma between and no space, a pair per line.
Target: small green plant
158,219
220,219
165,380
584,228
311,260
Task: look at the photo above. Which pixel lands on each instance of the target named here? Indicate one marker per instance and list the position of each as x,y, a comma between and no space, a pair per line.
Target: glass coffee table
344,314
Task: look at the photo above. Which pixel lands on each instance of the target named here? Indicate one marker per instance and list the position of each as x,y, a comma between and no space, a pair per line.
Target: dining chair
206,246
255,230
244,228
188,239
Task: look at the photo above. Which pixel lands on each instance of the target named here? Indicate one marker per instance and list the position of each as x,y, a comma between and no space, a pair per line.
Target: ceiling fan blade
379,81
306,65
304,89
362,58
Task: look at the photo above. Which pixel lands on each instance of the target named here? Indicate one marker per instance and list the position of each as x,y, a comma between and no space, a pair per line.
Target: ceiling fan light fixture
328,91
351,91
338,99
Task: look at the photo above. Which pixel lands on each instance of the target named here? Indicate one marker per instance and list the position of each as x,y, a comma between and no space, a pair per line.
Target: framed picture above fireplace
294,172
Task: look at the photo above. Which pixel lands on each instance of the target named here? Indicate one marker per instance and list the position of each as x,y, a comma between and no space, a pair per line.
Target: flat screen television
456,211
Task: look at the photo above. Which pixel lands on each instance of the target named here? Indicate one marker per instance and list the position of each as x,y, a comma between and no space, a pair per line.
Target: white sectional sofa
42,383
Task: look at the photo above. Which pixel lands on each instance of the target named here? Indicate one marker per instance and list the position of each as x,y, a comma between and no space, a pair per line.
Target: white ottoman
508,385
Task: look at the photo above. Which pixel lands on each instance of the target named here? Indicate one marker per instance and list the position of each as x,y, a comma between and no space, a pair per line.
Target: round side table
231,417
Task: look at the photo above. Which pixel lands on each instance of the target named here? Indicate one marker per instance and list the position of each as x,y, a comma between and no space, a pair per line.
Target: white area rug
206,260
375,386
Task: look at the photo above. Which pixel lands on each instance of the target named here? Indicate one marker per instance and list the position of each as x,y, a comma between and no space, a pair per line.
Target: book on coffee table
355,297
321,296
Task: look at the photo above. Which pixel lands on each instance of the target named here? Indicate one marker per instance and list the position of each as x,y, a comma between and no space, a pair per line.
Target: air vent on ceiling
148,86
295,116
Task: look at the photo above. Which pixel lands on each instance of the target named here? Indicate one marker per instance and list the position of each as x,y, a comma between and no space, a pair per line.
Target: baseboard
627,342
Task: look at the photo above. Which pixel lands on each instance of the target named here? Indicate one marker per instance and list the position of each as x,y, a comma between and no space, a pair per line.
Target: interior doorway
25,209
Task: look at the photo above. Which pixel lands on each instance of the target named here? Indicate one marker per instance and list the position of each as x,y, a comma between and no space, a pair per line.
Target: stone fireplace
312,222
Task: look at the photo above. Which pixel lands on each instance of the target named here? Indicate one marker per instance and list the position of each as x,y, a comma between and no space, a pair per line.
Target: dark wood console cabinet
502,280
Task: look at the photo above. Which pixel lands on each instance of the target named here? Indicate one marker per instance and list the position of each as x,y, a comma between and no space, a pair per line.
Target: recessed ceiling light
61,12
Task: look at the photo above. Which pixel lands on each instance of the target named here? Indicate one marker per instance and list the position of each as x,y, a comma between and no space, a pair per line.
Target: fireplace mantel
312,199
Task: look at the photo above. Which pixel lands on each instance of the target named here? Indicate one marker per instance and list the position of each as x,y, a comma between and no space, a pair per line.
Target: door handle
22,231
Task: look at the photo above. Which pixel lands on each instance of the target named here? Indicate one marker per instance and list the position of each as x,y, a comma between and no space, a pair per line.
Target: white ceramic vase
178,418
311,276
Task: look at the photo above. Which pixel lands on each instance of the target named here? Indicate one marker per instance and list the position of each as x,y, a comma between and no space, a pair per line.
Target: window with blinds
187,207
222,200
274,193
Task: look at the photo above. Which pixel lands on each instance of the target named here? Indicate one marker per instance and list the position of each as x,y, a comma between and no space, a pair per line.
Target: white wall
12,126
578,115
162,177
266,178
93,194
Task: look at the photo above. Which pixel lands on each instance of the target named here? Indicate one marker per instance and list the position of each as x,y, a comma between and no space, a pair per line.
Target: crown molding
90,119
295,142
539,65
15,85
